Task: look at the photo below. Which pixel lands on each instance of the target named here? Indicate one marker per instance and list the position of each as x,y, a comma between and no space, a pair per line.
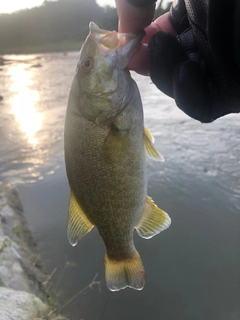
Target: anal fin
153,221
150,150
78,223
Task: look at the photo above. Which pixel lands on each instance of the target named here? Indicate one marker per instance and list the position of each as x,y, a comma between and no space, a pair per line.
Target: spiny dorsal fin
125,273
153,221
150,150
78,223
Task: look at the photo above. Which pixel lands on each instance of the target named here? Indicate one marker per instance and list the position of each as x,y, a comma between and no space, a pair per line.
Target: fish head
102,56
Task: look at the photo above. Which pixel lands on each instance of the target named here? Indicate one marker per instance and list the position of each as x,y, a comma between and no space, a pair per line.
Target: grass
53,300
4,245
2,284
67,45
17,230
86,289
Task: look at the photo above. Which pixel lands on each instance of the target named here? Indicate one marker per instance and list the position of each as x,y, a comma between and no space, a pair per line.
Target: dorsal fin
150,150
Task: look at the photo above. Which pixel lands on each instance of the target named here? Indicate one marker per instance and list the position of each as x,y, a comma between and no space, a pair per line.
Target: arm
200,68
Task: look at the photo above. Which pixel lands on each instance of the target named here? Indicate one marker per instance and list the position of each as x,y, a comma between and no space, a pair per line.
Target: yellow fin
153,221
148,134
121,274
150,150
78,223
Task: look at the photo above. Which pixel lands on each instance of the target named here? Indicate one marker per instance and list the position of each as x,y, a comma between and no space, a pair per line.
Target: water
193,268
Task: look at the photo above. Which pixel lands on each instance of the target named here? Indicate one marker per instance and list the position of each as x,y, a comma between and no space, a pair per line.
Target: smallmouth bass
105,145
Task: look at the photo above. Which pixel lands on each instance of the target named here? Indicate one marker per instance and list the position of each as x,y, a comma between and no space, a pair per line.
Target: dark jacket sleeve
142,3
200,68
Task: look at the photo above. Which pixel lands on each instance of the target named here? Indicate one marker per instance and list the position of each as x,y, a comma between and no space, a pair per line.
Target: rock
20,305
1,61
23,281
18,256
1,98
12,273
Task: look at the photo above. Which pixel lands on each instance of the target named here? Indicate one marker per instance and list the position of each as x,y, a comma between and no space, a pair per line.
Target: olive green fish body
105,146
110,189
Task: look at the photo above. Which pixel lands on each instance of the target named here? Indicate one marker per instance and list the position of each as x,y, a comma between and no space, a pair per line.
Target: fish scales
105,146
118,184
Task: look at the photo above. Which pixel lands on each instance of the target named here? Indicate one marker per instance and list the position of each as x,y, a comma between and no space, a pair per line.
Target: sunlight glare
14,5
104,3
23,102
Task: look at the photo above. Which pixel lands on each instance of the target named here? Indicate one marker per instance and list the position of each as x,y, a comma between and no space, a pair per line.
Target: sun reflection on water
24,102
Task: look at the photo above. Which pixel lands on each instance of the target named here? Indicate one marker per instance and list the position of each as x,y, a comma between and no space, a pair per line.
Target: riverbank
25,288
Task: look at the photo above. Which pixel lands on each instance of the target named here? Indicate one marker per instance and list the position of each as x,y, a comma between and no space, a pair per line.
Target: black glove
200,68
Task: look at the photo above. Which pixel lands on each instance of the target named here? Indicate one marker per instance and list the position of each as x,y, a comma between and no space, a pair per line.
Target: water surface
193,268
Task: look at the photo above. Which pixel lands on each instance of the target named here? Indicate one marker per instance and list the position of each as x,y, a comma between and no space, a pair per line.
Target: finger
150,31
162,23
139,61
133,18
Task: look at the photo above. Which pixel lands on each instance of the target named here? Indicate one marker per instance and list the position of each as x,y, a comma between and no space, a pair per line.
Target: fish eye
86,64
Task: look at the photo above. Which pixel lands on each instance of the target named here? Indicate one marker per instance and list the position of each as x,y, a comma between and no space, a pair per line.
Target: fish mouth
108,39
124,44
101,94
113,39
95,28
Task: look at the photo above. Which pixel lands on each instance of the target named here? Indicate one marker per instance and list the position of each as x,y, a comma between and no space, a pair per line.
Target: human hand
132,19
200,68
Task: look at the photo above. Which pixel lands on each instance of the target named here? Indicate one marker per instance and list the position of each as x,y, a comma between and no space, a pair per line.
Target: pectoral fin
154,220
150,150
78,223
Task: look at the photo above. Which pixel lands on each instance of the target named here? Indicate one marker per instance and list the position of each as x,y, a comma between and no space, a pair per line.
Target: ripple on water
32,116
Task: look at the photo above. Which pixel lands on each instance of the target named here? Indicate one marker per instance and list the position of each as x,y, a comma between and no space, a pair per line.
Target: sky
14,5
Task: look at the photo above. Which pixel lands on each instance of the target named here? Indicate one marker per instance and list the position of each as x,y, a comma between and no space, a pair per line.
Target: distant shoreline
43,48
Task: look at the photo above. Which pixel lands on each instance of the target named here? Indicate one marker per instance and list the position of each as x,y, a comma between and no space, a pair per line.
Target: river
193,268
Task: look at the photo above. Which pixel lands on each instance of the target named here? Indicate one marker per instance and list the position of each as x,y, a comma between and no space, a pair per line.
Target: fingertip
162,23
150,31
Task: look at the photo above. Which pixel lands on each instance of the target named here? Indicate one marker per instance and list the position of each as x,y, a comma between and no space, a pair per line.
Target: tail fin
124,273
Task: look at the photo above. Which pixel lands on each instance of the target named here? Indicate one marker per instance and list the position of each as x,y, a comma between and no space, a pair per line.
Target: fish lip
99,94
94,28
124,44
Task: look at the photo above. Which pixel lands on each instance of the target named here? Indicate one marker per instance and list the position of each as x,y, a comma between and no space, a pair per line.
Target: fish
105,144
